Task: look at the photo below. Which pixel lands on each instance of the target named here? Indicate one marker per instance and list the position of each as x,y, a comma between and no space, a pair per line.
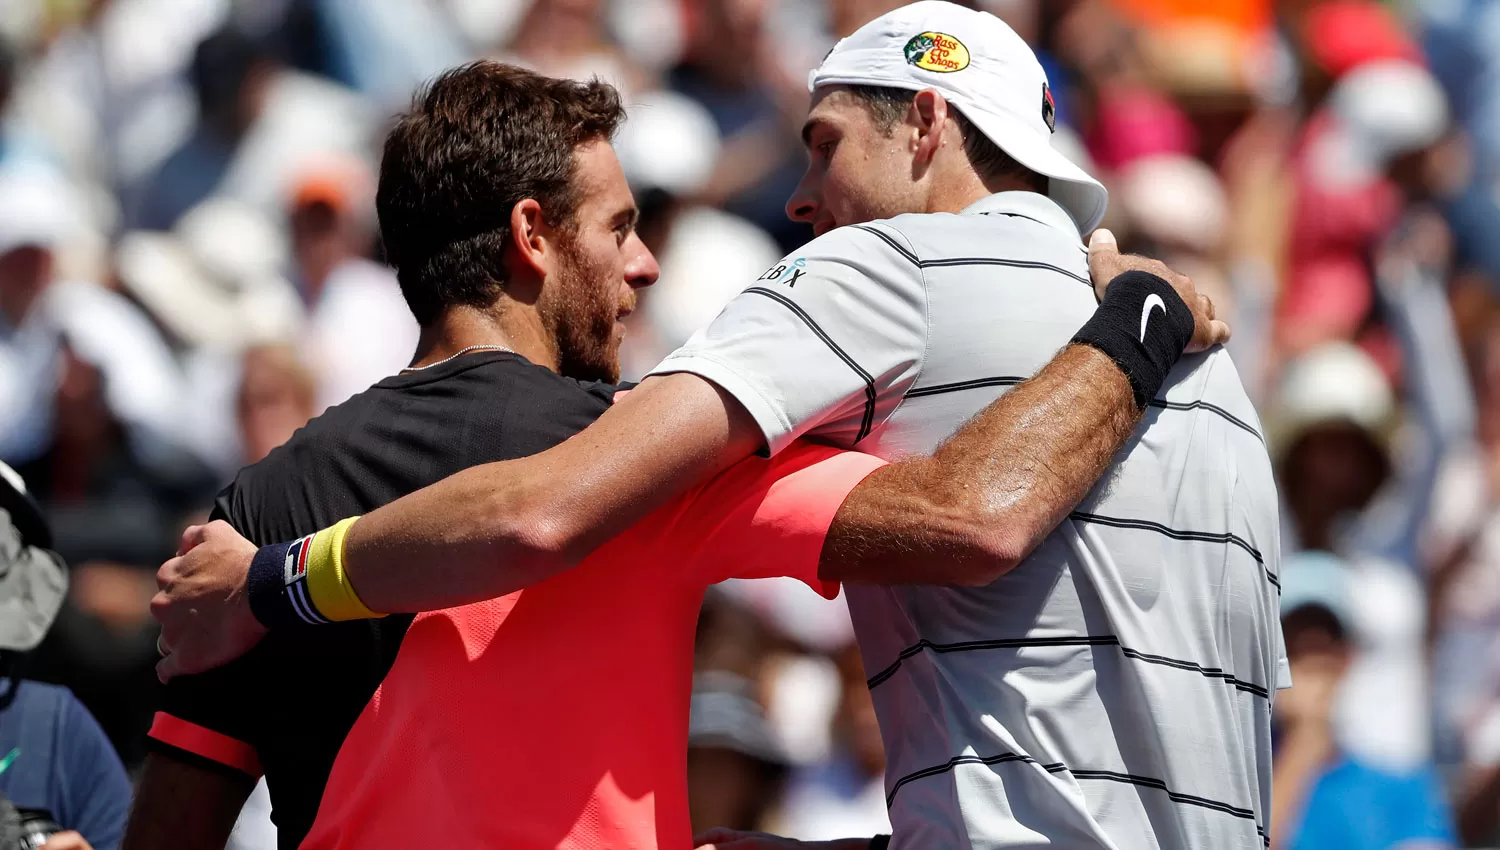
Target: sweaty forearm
988,496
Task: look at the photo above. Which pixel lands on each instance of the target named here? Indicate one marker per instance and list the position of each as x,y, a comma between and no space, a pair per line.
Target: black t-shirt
294,697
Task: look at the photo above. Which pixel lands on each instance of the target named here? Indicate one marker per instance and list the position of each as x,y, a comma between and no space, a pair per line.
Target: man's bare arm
180,806
988,496
540,514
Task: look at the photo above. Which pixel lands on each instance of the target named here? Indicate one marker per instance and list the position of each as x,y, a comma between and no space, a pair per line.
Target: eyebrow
807,131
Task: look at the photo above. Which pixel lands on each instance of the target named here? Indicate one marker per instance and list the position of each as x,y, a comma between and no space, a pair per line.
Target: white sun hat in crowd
983,68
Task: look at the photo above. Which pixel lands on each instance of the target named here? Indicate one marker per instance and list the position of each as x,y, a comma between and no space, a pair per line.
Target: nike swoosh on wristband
1153,301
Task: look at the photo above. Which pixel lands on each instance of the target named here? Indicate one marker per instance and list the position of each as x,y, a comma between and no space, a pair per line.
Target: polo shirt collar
1027,205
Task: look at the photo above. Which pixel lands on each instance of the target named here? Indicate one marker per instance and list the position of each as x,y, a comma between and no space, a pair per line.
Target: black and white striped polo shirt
1114,689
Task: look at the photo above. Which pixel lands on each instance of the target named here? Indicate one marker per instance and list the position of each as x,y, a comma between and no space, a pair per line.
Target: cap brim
1084,198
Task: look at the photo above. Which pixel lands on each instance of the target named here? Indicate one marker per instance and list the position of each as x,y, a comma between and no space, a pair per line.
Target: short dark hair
887,106
477,141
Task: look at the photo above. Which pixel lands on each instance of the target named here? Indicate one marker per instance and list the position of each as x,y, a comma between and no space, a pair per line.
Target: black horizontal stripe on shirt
1016,215
947,262
1161,403
1083,640
939,770
1077,773
1225,537
868,421
1200,404
976,384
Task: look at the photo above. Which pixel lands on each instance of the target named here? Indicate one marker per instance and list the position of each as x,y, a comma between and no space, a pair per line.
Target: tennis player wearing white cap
1109,690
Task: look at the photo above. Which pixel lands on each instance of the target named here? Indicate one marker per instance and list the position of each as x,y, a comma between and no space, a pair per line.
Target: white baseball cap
985,70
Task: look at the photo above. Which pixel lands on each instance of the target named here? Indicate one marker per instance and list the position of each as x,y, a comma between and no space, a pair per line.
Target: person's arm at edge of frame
988,496
183,807
180,806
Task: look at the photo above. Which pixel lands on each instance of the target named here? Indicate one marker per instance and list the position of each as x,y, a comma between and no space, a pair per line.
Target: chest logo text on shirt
787,272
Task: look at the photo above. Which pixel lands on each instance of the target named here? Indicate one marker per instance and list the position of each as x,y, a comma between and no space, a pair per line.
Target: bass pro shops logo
936,51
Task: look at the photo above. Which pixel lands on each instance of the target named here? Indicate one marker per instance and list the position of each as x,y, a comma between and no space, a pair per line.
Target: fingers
166,669
191,536
171,667
69,840
1220,332
1104,259
168,572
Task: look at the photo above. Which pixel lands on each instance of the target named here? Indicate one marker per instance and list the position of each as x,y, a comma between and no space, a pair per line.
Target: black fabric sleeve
223,700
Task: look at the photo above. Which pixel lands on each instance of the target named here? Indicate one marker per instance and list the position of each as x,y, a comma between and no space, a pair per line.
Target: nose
803,205
641,269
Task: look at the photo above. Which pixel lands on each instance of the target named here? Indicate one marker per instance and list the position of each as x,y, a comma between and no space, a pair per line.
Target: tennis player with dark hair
511,226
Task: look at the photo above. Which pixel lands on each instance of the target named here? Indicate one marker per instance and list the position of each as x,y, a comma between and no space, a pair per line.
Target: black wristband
1144,342
880,842
277,585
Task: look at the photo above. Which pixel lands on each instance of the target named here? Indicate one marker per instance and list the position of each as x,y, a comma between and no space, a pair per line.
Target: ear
929,117
530,237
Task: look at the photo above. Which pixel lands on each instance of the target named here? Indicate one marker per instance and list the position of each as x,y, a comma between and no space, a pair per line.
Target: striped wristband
304,581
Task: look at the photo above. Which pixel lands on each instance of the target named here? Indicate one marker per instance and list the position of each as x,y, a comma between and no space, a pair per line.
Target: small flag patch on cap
1049,108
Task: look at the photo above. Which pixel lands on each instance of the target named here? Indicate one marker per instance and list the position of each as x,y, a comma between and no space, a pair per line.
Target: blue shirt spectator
54,757
1356,807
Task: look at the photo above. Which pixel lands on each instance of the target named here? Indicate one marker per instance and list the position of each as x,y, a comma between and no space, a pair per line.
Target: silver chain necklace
458,353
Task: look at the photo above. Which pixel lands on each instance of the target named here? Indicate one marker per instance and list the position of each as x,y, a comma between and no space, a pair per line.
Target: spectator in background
33,220
1464,582
1348,490
732,68
54,760
735,767
276,397
843,794
1331,441
214,286
360,329
568,38
231,75
114,520
1324,798
1351,192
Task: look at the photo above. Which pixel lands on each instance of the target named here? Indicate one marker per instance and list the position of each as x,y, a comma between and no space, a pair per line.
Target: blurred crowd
190,269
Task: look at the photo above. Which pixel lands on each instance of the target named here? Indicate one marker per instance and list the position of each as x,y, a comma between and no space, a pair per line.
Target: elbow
987,550
529,526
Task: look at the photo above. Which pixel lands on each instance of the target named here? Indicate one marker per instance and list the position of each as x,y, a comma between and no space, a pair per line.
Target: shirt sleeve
769,517
826,342
98,789
211,715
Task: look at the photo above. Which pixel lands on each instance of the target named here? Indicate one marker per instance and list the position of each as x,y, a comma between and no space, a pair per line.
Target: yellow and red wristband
304,581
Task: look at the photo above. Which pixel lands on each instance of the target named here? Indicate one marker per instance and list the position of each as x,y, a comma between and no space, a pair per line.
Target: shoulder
53,712
938,238
38,699
854,256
